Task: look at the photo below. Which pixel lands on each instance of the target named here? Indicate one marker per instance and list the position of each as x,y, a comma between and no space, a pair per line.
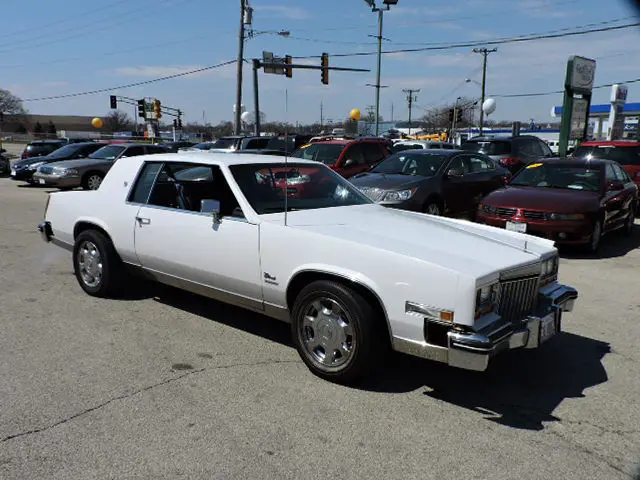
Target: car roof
44,142
333,142
611,143
224,159
433,151
496,138
576,160
129,144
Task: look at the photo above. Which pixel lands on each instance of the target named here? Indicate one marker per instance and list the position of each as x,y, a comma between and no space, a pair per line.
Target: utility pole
392,111
244,7
321,115
485,53
410,99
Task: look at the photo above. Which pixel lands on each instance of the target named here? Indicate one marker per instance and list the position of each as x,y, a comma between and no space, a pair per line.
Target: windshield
308,187
327,153
224,143
488,148
203,146
66,151
623,155
110,152
550,175
412,163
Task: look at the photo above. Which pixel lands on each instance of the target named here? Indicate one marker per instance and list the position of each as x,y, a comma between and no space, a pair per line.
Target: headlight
34,166
398,196
487,299
566,216
550,268
298,180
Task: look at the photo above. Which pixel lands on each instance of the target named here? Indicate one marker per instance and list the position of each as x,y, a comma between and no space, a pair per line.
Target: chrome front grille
375,194
518,298
533,215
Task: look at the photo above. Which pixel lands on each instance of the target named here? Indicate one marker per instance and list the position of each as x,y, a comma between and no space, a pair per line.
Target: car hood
461,246
386,181
82,163
547,199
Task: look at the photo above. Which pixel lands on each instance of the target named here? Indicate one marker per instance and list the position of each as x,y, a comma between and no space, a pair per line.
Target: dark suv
40,148
512,153
347,157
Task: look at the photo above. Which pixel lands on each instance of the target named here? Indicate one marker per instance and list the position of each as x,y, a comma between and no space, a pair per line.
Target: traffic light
114,101
157,109
451,114
179,123
459,115
288,71
175,123
325,73
142,106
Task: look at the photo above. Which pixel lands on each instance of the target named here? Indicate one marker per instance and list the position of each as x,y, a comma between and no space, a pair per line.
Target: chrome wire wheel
596,236
90,264
94,181
327,334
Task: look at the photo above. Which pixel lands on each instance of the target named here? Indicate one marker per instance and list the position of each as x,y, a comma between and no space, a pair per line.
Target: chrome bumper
45,231
472,350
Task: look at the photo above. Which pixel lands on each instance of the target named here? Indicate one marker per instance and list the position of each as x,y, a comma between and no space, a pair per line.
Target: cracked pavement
167,385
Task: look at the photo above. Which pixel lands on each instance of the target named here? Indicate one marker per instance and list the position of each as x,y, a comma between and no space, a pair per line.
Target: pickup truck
295,241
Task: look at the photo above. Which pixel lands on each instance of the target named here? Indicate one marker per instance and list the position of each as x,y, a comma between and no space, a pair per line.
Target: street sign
268,60
581,73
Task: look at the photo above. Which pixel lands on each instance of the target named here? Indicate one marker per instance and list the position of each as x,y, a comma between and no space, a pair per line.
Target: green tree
37,130
51,129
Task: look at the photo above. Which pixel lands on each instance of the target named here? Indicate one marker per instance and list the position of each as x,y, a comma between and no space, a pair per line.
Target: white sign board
578,118
581,74
619,94
616,115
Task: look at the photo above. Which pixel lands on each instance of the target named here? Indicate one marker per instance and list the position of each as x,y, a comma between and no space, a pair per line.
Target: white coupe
352,277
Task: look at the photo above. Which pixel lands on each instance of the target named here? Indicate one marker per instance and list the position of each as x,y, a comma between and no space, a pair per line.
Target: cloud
283,11
55,84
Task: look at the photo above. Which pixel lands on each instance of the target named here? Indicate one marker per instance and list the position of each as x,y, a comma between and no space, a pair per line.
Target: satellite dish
489,106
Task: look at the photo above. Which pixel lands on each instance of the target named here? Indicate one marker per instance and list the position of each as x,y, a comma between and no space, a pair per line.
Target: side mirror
350,162
455,173
615,186
211,207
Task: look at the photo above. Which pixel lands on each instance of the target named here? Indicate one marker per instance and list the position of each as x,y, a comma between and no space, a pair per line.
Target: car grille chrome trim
504,212
517,298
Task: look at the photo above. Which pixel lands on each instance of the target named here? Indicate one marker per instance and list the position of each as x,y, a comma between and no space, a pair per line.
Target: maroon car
346,157
572,201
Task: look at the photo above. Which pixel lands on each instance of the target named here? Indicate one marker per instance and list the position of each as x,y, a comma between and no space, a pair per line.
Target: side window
525,148
460,163
479,164
354,152
447,146
133,151
372,152
621,174
184,186
610,173
142,188
546,151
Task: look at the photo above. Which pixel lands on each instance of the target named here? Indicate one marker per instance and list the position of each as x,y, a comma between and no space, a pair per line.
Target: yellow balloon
97,122
355,114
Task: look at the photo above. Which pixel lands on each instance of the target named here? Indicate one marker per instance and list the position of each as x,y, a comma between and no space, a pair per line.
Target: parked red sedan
347,157
573,201
625,152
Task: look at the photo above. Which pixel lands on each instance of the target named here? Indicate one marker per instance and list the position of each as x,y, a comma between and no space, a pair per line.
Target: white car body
426,144
423,270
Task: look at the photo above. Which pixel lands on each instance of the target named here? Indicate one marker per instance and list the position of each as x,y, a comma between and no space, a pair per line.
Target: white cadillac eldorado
350,276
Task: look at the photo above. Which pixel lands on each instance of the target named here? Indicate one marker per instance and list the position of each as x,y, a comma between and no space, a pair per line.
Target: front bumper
55,181
473,350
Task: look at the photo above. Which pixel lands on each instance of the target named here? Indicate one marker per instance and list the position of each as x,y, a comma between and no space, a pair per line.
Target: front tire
336,332
432,207
92,180
97,265
628,224
596,236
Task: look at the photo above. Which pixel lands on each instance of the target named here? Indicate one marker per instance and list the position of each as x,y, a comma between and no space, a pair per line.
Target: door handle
143,221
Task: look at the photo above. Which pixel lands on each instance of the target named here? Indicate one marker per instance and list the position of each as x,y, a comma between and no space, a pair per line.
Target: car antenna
286,154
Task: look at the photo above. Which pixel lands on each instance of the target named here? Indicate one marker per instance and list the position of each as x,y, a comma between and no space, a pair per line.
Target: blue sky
54,48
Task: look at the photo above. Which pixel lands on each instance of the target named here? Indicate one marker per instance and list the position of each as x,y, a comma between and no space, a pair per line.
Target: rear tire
337,333
96,264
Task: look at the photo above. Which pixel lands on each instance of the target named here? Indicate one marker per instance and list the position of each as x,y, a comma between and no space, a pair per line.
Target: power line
129,85
477,43
544,94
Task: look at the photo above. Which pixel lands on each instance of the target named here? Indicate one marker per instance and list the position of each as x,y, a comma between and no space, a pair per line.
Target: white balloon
246,117
489,106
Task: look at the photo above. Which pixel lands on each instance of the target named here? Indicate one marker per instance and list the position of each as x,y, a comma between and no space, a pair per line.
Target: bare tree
11,104
118,121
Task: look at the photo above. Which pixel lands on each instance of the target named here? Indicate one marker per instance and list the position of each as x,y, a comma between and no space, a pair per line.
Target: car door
613,201
183,246
628,193
486,177
458,191
373,154
352,161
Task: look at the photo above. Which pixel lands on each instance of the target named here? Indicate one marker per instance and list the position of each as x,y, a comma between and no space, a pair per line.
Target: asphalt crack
139,391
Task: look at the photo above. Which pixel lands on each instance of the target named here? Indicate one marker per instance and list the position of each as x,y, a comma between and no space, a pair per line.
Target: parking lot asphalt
167,385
